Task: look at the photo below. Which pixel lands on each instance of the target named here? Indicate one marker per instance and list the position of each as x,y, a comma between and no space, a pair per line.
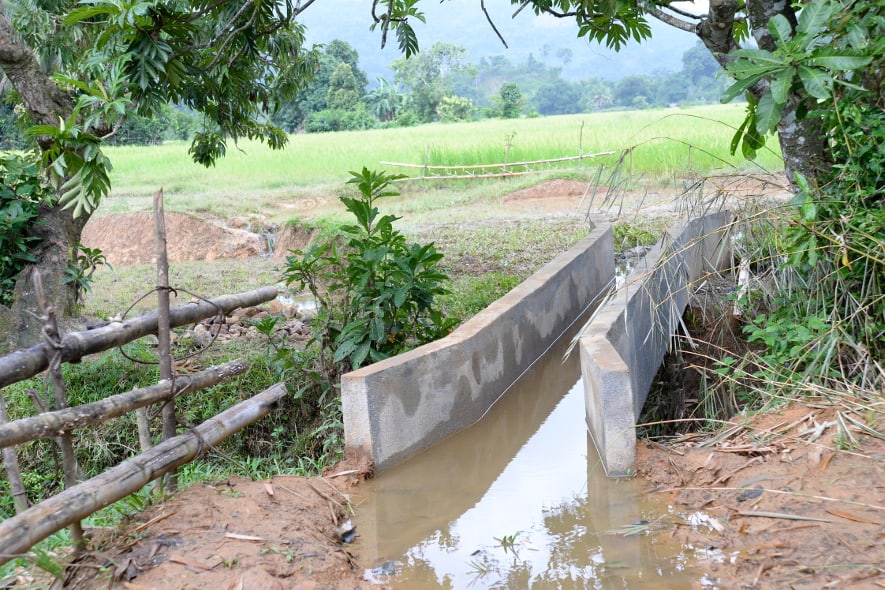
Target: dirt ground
783,495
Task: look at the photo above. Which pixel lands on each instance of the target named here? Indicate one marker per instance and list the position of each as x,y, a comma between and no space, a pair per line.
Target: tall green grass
665,142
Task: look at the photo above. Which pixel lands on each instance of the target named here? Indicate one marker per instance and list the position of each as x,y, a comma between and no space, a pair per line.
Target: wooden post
170,481
13,472
64,439
23,531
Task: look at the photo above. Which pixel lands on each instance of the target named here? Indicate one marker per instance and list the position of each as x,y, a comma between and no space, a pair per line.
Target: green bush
376,294
21,192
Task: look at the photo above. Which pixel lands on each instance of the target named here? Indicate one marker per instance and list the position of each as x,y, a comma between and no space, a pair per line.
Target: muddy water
519,500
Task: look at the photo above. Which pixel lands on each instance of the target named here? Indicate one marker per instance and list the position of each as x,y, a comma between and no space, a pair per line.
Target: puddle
302,302
518,500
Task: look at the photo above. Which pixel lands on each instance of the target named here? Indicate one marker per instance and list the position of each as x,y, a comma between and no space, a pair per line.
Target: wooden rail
24,364
19,533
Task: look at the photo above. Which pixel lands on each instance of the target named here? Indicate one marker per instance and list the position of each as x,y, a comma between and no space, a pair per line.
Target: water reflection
519,500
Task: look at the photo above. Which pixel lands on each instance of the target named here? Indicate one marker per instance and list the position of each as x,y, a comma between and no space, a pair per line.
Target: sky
462,23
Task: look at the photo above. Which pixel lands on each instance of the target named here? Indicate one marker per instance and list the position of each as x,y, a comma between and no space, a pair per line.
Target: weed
508,542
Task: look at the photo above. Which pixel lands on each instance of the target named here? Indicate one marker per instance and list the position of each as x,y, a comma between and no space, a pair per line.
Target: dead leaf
783,515
239,537
826,462
268,488
188,563
849,516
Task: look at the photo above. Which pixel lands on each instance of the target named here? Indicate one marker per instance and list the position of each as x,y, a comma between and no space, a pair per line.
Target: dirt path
784,510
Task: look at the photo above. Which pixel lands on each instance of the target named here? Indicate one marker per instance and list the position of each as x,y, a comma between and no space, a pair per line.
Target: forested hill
462,23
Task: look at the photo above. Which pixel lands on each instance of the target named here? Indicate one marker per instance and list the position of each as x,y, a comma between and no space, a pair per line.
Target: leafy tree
698,64
558,98
316,94
79,69
596,94
455,108
512,100
344,91
795,35
430,75
627,90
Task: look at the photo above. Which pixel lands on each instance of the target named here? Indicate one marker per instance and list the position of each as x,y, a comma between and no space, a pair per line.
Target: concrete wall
400,406
623,346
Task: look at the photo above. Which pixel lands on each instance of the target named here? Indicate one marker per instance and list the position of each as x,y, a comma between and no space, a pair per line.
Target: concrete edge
625,342
400,406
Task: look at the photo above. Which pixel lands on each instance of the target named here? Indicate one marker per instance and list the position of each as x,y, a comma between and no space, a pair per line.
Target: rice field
660,144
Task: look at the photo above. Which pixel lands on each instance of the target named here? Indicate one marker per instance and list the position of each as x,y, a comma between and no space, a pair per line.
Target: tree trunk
802,140
59,232
46,104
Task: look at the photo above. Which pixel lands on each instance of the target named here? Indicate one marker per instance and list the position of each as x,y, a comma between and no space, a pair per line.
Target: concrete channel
396,408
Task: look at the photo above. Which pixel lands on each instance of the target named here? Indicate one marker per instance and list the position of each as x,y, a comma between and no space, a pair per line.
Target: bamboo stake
23,364
49,424
505,165
23,531
64,439
13,472
165,356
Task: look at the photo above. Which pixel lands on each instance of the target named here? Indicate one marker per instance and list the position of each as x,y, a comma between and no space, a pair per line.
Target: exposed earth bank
782,495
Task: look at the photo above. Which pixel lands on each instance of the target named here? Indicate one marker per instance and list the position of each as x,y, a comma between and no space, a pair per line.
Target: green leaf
814,16
816,82
768,114
780,84
840,62
739,135
780,28
86,12
407,39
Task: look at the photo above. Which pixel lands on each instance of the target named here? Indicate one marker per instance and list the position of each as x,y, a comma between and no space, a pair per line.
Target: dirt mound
292,237
129,238
552,189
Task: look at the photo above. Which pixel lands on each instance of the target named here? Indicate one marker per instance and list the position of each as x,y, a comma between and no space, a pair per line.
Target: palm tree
384,101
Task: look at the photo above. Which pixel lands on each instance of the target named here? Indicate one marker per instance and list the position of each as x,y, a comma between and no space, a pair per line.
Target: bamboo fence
503,169
31,524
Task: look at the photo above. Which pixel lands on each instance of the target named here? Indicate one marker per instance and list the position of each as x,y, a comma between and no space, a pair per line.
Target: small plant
83,263
376,294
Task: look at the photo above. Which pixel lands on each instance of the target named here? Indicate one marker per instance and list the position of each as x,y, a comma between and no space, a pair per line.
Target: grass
252,179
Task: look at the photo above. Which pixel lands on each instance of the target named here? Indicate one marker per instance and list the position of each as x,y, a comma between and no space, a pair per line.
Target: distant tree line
438,84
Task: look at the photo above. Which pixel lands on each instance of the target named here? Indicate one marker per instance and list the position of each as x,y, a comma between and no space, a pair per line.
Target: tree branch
671,20
482,3
44,100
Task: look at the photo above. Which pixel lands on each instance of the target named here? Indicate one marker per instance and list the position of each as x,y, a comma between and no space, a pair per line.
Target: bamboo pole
23,364
13,471
49,424
505,165
64,440
23,531
165,355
